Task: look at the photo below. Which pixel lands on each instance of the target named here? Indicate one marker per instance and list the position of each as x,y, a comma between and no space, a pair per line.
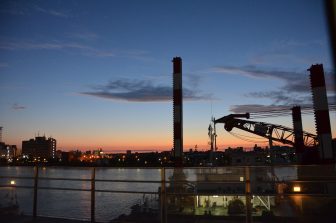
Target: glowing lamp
12,182
297,189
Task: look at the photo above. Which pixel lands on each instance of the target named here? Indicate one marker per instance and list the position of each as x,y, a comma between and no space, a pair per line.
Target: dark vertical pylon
298,130
177,110
321,111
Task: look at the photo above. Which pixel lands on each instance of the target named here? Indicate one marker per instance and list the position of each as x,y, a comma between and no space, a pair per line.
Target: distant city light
12,182
241,178
297,189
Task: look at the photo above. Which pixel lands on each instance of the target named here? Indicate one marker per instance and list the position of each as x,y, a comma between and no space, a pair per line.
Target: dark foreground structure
217,194
29,219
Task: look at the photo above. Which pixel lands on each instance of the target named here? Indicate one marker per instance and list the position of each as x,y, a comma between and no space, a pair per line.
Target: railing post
163,214
248,195
93,176
35,191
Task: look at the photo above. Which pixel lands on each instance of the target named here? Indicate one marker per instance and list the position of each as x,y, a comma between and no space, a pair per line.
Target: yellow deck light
297,189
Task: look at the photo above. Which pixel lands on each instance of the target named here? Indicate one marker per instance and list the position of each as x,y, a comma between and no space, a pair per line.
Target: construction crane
272,132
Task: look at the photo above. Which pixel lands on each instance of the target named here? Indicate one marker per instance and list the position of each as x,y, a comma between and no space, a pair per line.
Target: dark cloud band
140,91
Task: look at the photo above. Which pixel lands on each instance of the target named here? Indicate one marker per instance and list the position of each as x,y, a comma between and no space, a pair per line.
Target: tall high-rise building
40,147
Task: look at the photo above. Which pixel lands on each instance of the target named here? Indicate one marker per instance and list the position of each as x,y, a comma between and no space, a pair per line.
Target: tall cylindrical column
321,111
177,110
298,130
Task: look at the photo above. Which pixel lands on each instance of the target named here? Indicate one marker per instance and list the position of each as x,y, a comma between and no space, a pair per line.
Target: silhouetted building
7,151
3,150
40,147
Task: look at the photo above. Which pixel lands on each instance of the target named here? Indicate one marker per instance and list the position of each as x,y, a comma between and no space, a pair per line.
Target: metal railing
36,178
165,191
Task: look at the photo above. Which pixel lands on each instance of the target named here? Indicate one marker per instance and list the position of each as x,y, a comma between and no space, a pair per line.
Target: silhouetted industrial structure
40,147
178,110
321,111
298,130
270,131
305,143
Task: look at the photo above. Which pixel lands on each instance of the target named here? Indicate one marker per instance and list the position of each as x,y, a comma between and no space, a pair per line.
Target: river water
76,204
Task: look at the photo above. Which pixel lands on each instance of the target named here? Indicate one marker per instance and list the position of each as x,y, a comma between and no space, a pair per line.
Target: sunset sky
98,74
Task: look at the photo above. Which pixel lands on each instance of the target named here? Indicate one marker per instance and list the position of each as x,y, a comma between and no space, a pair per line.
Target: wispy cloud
25,8
16,106
75,47
256,108
304,102
140,91
84,36
56,45
281,97
293,81
52,12
295,90
253,72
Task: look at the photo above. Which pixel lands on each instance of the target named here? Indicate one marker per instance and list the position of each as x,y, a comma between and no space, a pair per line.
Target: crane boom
272,132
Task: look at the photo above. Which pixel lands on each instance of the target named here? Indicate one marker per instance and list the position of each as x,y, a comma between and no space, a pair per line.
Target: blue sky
99,73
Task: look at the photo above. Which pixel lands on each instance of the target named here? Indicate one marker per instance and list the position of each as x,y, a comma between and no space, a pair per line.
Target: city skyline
99,75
